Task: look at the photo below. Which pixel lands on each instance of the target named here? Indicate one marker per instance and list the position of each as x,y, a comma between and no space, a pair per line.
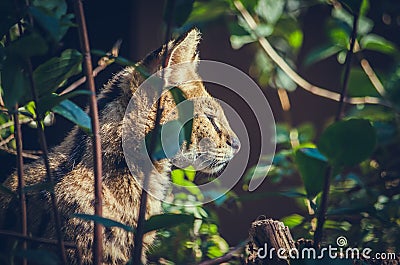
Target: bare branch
319,91
21,181
25,154
7,140
97,160
102,64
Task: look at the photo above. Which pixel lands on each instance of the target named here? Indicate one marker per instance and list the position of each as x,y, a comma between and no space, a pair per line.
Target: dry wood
265,235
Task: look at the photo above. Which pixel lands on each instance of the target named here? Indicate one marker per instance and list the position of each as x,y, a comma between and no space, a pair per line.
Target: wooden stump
270,243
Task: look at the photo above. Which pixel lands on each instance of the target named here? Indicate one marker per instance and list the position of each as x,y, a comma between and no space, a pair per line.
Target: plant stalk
138,240
328,175
97,159
21,181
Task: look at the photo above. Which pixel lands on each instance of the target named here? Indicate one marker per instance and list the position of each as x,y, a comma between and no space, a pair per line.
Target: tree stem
96,141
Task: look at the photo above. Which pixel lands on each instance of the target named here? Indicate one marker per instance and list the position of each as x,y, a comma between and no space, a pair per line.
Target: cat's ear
184,49
181,50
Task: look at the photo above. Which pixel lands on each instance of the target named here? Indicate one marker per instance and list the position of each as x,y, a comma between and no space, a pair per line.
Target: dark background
139,24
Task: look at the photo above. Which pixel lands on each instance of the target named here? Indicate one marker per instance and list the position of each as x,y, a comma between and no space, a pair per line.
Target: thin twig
7,140
49,178
36,239
138,239
328,175
24,153
301,82
11,123
348,61
21,181
43,144
96,142
102,64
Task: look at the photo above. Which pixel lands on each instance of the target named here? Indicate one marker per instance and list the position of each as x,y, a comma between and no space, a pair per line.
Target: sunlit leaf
293,220
54,73
365,24
270,10
237,42
72,112
377,43
284,81
218,247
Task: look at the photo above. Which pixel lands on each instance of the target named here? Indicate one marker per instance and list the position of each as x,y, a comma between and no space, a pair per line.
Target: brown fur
72,161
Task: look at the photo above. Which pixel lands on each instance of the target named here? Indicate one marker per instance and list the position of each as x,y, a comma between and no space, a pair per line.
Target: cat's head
213,143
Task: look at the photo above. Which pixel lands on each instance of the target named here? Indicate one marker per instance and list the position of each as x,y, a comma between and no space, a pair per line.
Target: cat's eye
214,123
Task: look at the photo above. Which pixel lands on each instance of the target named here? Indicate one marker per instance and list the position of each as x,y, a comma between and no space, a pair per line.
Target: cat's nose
234,142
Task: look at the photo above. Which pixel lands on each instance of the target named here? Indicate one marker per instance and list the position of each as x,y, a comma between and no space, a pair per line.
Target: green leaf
322,53
46,103
377,43
39,256
102,220
178,178
168,141
58,8
312,166
185,110
72,112
365,24
284,81
237,42
38,187
54,73
167,220
8,16
360,85
270,10
293,220
6,191
26,46
348,142
55,26
207,11
218,247
190,172
15,82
